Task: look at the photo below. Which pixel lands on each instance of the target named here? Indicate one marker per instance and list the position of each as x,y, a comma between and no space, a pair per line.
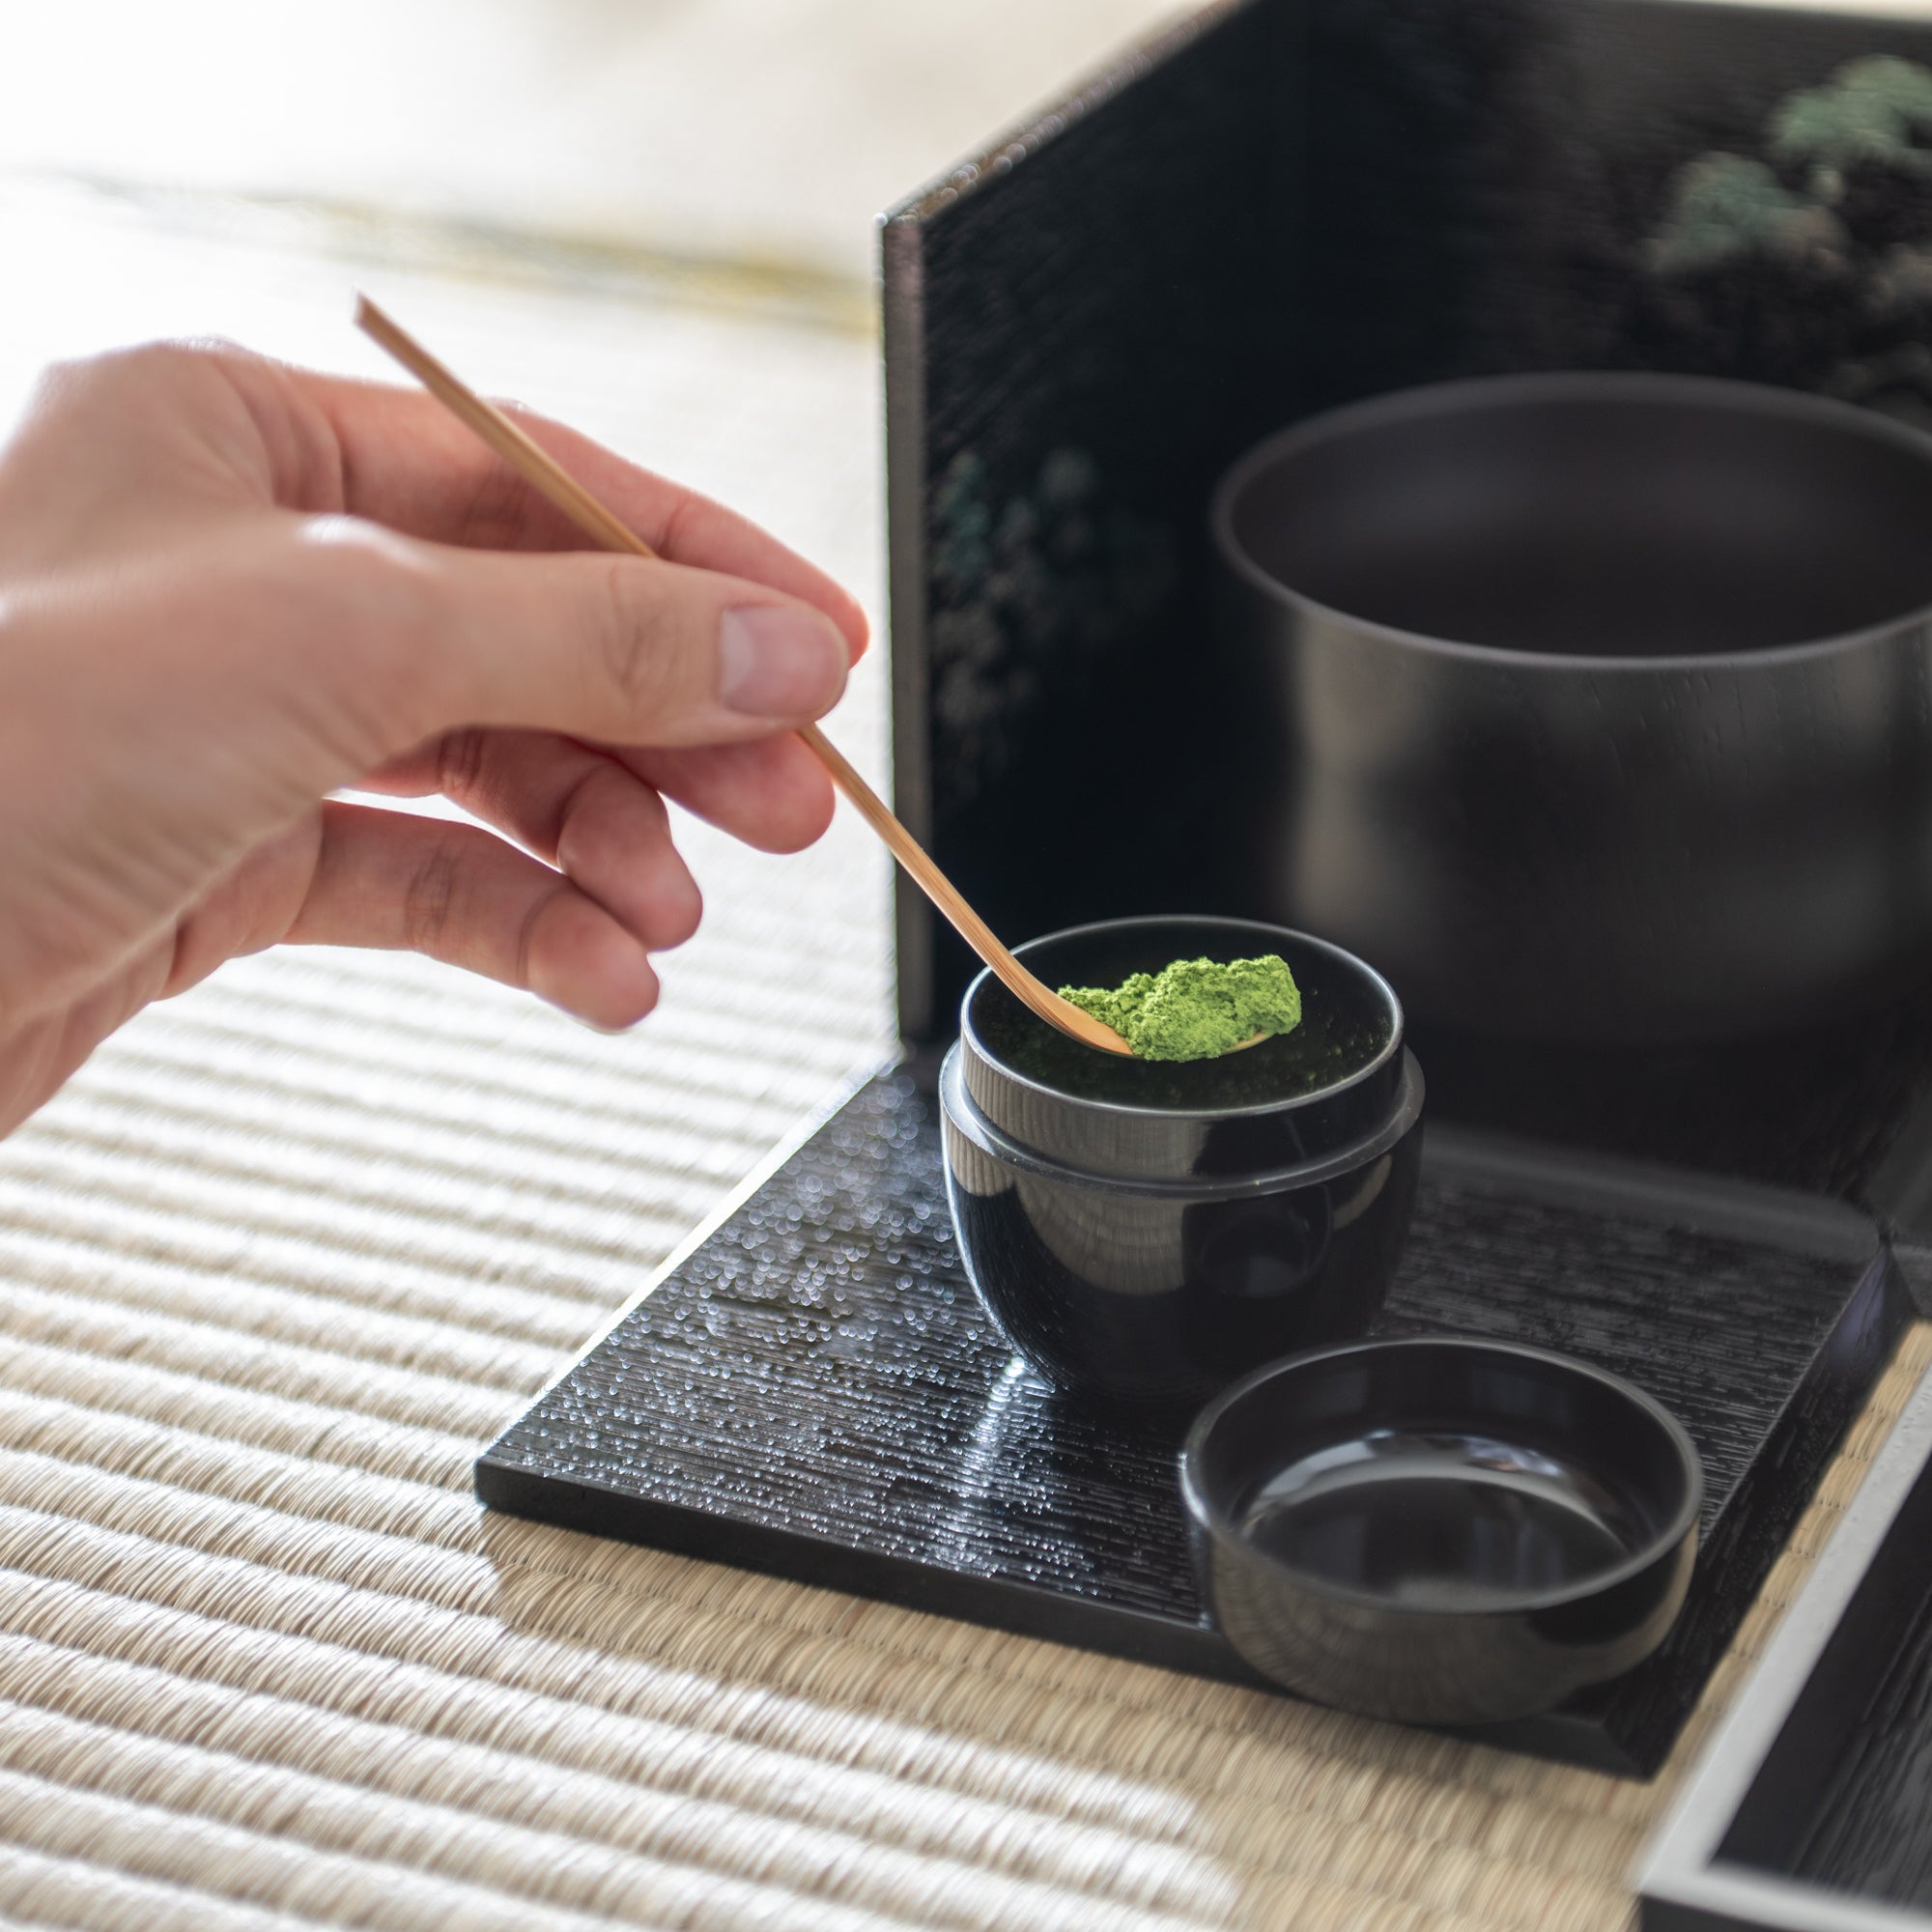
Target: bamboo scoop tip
1091,1031
1079,1023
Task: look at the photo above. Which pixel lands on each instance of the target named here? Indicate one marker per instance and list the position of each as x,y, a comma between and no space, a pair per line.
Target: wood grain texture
815,1392
1807,1809
1866,1827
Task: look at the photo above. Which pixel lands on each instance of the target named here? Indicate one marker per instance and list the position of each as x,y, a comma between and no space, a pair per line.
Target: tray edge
1684,1885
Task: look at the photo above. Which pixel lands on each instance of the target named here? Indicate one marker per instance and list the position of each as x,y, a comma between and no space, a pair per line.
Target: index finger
407,462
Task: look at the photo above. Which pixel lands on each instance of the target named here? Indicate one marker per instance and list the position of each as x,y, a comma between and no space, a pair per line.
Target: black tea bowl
1593,707
1148,1231
1440,1530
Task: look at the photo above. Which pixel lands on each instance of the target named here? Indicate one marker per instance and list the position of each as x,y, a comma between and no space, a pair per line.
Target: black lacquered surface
1597,515
1161,1290
1145,1229
1294,205
1871,1831
1288,1098
814,1391
1440,1530
1840,1800
1807,1807
1593,719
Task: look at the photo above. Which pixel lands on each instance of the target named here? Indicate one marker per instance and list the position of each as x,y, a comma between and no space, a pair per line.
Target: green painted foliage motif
1032,591
1811,262
1878,109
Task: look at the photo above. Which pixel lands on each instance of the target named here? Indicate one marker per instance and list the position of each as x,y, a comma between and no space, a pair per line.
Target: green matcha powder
1196,1008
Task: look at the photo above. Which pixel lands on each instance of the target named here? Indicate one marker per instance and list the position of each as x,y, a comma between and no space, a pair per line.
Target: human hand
229,587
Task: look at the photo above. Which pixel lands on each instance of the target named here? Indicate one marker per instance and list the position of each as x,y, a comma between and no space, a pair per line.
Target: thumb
623,650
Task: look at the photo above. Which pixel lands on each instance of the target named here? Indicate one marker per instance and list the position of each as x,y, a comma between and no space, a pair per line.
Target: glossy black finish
1083,326
1148,1231
1599,702
1808,1806
1326,1085
1440,1531
1282,207
815,1390
1161,1291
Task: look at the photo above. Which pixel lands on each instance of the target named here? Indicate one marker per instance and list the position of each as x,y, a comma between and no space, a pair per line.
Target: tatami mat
285,1667
293,1248
269,1276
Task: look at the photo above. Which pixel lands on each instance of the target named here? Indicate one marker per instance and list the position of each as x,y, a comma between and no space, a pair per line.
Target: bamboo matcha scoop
603,526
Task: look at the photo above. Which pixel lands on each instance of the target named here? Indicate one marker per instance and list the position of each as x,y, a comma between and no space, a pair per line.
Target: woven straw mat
272,1271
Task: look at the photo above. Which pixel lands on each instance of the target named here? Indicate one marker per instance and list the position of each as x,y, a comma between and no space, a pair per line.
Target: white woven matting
271,1273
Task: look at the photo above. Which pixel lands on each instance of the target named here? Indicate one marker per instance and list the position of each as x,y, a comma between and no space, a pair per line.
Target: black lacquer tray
812,1390
1810,1809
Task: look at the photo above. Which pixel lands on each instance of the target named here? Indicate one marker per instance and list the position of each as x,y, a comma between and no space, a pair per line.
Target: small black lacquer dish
1440,1530
1148,1231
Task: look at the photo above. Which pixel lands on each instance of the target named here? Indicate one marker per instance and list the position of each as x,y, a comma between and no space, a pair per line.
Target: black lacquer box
1279,206
813,1390
1807,1813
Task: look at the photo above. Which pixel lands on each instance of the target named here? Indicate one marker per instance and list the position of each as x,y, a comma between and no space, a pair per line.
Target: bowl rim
1216,1521
964,1117
1420,401
1394,1045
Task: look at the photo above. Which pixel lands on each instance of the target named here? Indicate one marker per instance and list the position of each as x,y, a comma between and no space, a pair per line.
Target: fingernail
776,660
